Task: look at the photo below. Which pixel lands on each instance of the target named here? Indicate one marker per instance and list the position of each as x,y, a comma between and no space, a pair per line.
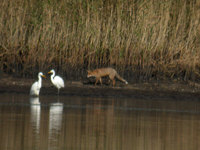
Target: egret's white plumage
57,81
35,88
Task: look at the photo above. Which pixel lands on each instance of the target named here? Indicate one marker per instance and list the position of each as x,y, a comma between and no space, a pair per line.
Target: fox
102,72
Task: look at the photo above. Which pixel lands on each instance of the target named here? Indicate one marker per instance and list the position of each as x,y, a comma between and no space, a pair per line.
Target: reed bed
141,39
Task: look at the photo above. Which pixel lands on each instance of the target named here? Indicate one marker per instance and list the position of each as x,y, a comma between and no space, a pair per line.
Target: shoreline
143,90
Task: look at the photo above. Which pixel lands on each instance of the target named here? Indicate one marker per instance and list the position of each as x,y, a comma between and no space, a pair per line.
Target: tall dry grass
141,39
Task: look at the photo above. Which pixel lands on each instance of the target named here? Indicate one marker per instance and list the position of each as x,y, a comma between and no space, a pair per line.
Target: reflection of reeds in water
100,128
150,38
35,112
122,129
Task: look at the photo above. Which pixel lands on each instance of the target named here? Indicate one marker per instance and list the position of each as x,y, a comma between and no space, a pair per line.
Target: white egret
57,81
35,88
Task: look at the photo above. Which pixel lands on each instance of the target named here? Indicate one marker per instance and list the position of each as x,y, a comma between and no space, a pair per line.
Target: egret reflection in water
35,112
55,118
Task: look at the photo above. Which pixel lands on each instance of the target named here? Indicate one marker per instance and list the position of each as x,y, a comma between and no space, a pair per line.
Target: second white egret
35,88
57,81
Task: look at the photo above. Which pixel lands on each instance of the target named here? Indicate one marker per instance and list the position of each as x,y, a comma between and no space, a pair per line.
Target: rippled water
88,123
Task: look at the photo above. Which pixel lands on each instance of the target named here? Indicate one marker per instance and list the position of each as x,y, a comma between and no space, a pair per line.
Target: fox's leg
113,79
97,79
100,81
113,82
109,81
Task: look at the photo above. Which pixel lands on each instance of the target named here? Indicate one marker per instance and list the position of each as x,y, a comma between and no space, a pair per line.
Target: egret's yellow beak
43,76
49,72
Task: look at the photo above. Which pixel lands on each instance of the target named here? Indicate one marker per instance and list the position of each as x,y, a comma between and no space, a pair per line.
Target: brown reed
141,39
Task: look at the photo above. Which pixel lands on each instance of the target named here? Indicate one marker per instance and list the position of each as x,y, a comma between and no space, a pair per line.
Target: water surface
88,123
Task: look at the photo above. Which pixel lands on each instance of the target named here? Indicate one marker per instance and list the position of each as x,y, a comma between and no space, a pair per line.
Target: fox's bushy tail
121,79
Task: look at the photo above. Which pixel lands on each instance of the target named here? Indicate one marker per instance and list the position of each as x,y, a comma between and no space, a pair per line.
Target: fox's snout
88,76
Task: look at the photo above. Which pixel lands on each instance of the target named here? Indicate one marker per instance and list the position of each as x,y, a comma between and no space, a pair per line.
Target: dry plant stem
149,38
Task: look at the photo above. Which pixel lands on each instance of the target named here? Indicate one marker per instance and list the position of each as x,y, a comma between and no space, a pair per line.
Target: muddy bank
147,90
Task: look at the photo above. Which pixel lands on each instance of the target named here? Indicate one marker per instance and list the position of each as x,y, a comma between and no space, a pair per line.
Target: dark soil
145,90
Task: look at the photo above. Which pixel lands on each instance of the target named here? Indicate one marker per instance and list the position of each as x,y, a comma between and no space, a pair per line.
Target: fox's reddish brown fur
102,72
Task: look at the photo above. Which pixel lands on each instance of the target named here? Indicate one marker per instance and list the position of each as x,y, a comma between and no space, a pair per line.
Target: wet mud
143,90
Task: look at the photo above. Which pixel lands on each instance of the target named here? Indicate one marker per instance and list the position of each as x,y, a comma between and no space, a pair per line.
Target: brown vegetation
145,39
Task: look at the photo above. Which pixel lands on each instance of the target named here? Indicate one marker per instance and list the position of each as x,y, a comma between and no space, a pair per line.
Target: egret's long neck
39,80
52,76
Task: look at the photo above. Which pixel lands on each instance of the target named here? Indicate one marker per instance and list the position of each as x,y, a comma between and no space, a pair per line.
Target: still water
88,123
